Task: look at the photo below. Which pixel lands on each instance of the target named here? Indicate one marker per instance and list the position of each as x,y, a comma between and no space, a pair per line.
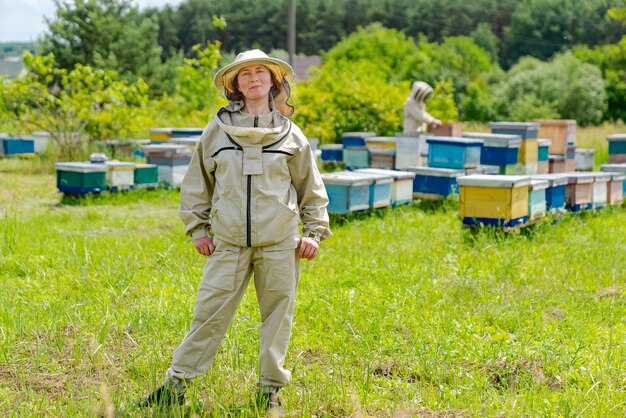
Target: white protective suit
416,118
251,182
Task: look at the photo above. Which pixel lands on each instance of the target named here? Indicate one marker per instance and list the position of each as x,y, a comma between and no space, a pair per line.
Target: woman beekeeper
416,118
251,182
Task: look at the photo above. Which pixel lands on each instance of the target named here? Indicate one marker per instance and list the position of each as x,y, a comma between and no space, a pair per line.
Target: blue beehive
347,191
380,188
402,187
498,149
185,132
555,193
617,148
451,152
526,130
331,152
18,146
537,204
435,183
355,139
356,157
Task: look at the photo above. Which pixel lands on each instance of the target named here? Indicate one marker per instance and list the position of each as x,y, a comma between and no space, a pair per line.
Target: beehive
555,192
146,176
81,177
387,142
599,192
382,157
159,134
380,188
584,159
355,139
494,200
185,132
347,192
455,153
410,150
537,204
356,157
331,152
18,146
120,175
435,183
526,130
402,186
617,148
556,164
579,191
615,189
497,149
560,132
615,168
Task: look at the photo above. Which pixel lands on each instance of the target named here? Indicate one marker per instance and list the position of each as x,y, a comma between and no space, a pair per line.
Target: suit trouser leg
275,278
223,285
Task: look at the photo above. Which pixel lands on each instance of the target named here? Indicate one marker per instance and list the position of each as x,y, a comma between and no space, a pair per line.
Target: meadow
403,314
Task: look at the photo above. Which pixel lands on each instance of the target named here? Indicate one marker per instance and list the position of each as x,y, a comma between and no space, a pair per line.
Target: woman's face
254,81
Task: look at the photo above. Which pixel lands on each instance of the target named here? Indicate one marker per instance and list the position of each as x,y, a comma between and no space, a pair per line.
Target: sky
23,20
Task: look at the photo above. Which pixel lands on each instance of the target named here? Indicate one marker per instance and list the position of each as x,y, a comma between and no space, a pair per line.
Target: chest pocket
228,166
275,170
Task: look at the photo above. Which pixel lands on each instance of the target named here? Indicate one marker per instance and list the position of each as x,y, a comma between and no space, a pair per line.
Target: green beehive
81,178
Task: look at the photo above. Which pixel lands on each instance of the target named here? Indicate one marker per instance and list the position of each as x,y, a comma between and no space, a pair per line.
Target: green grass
403,313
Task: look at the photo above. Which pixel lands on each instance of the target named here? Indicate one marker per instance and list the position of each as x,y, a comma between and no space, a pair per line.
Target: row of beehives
166,166
490,199
512,147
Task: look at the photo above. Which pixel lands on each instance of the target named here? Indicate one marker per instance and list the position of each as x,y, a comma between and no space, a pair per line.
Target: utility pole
291,33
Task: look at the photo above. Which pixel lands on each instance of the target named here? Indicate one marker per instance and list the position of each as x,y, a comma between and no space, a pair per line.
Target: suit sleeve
196,194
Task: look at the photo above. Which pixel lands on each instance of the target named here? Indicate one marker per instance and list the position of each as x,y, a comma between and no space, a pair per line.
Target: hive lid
543,142
555,179
378,178
488,180
80,167
539,184
581,177
393,173
617,176
346,178
601,176
616,137
358,134
453,140
614,167
514,125
436,172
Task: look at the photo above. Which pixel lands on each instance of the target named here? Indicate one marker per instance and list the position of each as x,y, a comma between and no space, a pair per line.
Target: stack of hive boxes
498,150
529,148
171,160
562,134
448,159
617,148
355,151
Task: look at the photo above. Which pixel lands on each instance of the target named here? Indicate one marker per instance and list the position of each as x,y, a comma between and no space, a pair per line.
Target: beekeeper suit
416,118
251,183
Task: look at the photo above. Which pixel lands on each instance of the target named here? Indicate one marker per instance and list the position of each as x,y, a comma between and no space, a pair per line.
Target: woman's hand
308,248
204,245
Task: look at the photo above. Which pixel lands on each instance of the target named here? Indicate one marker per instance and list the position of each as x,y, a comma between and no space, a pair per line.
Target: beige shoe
269,401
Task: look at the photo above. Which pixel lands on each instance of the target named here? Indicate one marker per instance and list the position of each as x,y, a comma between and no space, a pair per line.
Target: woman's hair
275,98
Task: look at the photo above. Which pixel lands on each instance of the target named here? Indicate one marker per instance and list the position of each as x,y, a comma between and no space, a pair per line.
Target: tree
105,34
73,104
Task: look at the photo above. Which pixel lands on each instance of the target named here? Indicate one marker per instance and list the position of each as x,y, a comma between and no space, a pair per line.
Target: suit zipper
248,208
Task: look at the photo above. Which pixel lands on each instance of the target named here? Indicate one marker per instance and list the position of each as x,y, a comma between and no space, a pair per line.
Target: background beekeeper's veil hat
283,73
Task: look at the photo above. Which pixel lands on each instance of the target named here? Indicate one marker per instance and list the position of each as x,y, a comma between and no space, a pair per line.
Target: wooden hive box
617,148
347,192
556,164
584,159
380,188
615,168
18,146
170,151
455,153
355,139
120,175
450,129
559,131
579,191
402,186
146,176
433,183
555,192
615,189
331,152
599,192
537,203
410,150
497,149
526,130
382,157
494,200
81,177
356,157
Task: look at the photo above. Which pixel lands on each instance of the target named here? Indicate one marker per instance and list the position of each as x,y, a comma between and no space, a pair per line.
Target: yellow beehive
528,151
494,199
